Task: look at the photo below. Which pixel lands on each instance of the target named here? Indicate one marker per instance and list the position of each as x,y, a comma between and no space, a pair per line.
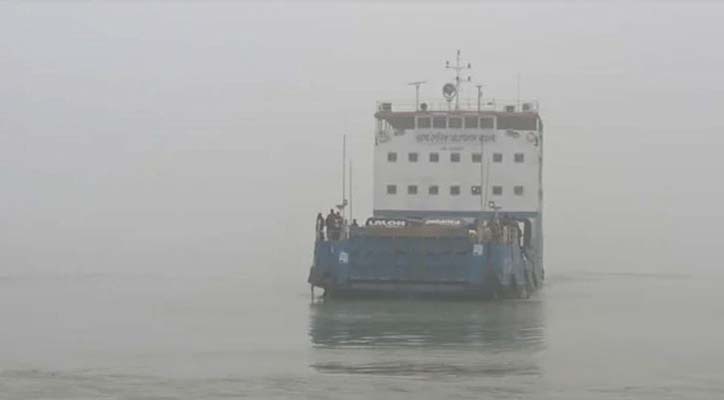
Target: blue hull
406,266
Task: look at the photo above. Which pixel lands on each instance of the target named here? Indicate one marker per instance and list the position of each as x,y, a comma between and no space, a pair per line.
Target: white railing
467,104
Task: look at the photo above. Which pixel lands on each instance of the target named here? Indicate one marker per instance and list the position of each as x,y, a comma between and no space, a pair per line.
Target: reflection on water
400,337
495,325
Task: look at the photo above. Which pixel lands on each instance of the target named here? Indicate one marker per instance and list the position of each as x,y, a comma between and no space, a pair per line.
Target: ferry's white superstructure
457,163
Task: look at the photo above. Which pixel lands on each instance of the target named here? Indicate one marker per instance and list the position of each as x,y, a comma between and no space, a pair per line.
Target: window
497,190
454,157
391,189
518,190
423,122
519,157
391,157
412,157
439,122
412,189
454,190
455,122
471,122
475,190
432,190
497,157
477,158
487,123
519,122
434,157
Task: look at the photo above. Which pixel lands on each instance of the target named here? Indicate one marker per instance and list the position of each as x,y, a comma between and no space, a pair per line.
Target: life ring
533,138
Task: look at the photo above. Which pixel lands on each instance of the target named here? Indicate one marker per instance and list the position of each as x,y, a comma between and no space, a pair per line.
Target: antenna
517,89
417,93
457,68
351,215
343,204
487,179
482,160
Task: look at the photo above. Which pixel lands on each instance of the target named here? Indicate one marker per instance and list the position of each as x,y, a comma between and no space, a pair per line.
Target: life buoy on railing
533,138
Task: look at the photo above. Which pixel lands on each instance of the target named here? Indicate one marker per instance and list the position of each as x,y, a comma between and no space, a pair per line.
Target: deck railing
466,104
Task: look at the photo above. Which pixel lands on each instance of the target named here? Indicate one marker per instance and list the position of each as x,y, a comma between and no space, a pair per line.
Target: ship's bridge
507,115
435,159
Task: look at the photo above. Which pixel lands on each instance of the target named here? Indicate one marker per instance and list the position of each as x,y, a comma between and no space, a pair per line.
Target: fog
162,164
204,138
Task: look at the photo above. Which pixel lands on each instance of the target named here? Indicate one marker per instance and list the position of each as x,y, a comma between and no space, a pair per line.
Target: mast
487,179
344,172
482,159
457,68
517,90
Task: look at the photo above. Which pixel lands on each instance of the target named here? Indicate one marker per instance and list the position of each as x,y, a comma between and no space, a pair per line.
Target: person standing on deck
339,225
320,227
330,222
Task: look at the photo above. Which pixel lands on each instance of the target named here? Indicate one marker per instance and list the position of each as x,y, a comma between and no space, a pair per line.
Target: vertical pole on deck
487,179
417,93
457,81
351,216
417,97
517,90
344,173
482,159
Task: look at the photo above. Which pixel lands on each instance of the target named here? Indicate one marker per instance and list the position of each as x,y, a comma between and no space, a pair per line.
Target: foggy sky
205,137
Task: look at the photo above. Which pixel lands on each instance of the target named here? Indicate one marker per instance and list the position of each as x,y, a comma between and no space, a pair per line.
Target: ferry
457,202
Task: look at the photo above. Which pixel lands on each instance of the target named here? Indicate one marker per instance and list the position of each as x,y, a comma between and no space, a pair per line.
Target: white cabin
463,162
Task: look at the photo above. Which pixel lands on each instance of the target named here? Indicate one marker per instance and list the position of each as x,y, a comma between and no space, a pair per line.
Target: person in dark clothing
338,225
320,227
353,228
330,222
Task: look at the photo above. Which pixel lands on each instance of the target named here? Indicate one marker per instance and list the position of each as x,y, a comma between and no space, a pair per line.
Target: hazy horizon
190,136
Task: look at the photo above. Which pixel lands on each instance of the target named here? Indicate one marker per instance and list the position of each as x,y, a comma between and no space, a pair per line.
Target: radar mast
458,67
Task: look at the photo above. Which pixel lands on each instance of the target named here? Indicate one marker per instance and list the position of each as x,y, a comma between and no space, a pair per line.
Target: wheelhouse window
391,157
487,123
391,189
498,157
475,190
433,190
454,157
455,122
471,122
497,190
423,122
519,157
412,157
518,190
477,158
434,157
439,122
454,190
412,189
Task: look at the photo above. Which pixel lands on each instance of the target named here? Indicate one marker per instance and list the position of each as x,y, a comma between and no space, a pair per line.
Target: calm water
155,336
